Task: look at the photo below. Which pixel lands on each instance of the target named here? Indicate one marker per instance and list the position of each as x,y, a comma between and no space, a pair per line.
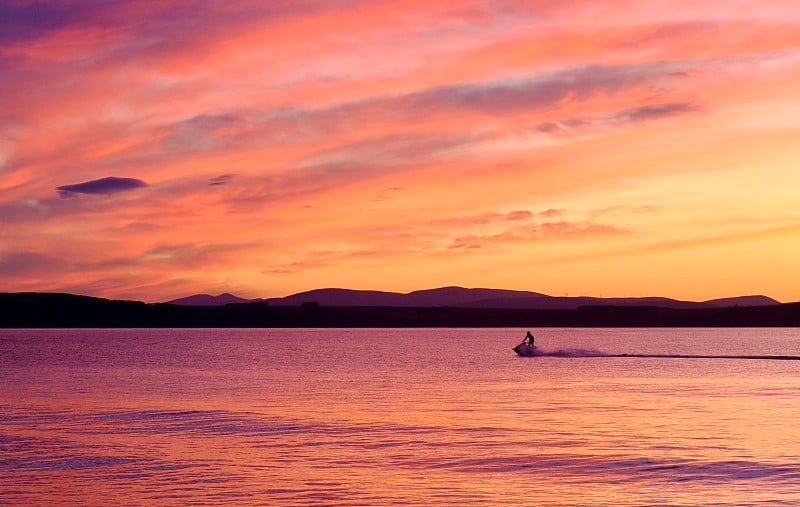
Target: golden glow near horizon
600,148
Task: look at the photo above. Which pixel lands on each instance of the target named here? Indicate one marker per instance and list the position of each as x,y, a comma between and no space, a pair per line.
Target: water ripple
633,469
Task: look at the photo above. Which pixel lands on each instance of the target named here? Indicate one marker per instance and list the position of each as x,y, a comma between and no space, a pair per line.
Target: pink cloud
264,130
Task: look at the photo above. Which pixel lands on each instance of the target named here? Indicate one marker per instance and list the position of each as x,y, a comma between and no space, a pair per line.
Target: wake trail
595,353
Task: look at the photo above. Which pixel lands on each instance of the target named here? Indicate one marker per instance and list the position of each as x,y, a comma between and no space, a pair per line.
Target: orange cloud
290,145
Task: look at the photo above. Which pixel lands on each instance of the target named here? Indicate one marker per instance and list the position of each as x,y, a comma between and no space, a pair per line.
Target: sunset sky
151,150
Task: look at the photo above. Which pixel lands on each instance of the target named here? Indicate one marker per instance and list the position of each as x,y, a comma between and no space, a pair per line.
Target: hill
744,301
466,298
53,310
443,296
209,300
38,310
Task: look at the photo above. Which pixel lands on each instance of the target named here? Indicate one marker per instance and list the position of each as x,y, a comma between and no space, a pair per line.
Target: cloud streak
220,180
625,117
103,186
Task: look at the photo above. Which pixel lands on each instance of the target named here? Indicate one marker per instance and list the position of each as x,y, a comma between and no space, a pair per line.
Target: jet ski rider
529,337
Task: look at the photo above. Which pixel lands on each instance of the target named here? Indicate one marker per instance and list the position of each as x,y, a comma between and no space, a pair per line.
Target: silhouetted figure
530,339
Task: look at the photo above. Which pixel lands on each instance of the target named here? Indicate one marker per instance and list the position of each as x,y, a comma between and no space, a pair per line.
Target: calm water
397,417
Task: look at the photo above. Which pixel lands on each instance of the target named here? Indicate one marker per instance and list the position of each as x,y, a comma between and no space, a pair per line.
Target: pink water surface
380,417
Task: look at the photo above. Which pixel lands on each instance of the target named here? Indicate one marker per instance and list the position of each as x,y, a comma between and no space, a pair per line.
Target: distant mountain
209,300
444,296
496,298
341,297
461,297
572,303
744,301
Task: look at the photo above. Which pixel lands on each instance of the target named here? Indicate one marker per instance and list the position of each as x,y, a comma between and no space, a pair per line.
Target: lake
385,417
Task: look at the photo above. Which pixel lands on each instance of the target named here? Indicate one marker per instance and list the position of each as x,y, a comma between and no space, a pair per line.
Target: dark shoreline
51,310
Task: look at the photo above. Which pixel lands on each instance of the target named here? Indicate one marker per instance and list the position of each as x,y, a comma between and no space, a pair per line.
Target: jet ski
527,350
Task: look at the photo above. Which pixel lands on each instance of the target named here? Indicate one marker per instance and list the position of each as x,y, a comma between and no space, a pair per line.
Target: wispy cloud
104,186
627,117
546,231
25,263
222,179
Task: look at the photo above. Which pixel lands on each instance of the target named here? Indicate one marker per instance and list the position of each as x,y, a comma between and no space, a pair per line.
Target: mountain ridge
60,310
208,300
461,297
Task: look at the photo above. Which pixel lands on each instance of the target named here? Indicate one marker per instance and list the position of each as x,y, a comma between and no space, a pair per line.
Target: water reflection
395,417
